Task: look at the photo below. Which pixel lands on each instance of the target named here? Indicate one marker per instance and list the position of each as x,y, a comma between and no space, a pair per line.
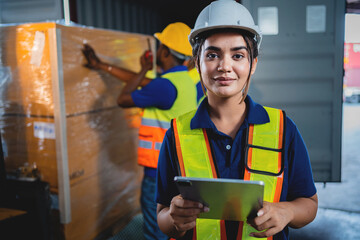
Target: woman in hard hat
231,136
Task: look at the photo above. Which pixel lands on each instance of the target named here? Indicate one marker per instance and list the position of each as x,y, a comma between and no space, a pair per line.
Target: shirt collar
256,114
176,69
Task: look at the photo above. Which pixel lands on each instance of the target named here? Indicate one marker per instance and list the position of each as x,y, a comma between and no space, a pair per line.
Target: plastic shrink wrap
63,118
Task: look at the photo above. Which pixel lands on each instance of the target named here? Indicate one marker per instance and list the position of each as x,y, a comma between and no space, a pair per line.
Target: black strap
282,150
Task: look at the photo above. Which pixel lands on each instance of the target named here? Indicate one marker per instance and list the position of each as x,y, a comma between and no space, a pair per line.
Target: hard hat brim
157,36
195,33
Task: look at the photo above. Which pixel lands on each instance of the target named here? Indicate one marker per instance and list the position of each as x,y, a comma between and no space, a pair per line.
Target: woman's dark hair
251,46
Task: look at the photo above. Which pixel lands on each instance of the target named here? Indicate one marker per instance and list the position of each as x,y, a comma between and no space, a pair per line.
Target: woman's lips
224,80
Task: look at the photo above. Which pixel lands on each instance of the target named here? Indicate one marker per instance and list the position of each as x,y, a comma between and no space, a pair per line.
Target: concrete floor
338,216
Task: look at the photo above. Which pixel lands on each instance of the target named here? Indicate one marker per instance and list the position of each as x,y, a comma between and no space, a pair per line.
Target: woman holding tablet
232,136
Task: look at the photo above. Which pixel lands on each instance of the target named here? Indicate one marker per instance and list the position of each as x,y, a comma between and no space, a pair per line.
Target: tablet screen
228,199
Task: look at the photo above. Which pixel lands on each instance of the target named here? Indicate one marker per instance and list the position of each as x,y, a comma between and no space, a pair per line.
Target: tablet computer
228,199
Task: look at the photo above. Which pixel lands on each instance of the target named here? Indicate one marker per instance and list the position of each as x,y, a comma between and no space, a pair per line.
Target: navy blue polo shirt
229,156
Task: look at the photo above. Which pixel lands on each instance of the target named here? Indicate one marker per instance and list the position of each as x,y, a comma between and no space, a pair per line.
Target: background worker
162,98
196,78
232,136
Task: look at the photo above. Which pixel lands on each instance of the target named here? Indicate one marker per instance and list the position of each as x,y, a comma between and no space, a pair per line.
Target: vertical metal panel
79,12
339,31
85,13
98,11
117,16
301,72
147,25
126,16
111,16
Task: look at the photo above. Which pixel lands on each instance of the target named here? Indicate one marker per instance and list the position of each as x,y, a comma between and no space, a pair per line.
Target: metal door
300,70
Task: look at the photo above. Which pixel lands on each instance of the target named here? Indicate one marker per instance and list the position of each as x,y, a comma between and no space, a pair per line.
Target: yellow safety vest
196,79
194,75
264,162
155,121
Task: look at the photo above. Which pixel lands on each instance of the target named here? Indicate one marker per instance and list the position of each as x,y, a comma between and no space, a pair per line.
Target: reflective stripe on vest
155,121
264,152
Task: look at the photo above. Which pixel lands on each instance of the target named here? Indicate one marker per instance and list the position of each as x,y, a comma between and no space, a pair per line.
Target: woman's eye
238,56
211,55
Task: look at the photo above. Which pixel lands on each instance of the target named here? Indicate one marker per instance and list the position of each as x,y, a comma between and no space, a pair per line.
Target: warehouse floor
133,231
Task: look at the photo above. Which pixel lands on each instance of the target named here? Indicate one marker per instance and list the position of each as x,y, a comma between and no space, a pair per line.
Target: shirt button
228,147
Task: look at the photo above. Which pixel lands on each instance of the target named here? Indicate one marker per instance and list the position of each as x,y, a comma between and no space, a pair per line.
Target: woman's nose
224,65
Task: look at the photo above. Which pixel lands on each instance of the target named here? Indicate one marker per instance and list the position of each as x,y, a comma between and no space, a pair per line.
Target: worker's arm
274,217
180,217
93,62
125,99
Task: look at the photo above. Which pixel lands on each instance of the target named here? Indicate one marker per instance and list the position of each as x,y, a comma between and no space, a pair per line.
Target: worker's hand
146,60
93,61
272,218
184,213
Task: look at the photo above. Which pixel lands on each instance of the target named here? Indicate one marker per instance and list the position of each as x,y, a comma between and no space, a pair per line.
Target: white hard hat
225,14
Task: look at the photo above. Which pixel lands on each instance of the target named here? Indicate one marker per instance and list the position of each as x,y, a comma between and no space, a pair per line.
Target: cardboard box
63,117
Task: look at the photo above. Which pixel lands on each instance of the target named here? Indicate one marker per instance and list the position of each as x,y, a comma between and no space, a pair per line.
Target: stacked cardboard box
63,117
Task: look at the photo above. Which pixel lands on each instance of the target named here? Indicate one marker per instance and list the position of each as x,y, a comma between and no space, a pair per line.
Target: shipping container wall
139,16
123,15
300,70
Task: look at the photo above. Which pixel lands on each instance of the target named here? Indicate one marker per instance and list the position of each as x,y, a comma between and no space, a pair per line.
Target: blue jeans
148,207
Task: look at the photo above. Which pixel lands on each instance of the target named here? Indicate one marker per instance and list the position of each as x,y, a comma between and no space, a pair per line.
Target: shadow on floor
133,231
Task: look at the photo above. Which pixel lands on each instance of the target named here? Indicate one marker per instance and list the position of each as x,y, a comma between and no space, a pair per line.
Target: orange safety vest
155,122
264,162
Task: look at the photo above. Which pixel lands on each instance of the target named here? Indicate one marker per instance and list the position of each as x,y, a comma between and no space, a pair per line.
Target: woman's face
225,65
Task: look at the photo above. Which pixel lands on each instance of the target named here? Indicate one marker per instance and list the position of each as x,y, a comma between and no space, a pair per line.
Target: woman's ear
254,64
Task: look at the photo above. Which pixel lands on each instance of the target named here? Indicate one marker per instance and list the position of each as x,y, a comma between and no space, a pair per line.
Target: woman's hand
272,218
184,213
93,62
180,216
